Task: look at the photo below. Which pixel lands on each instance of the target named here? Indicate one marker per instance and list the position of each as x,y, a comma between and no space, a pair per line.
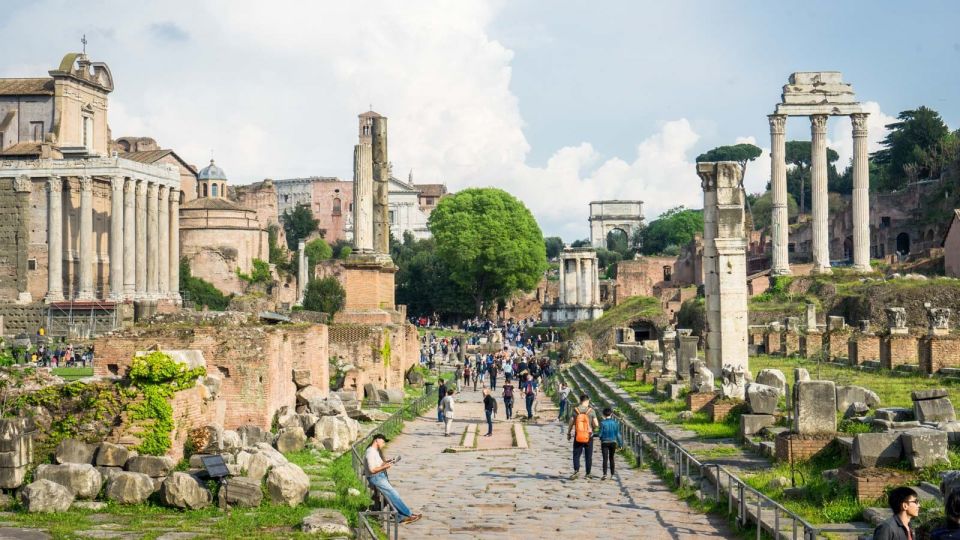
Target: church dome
212,172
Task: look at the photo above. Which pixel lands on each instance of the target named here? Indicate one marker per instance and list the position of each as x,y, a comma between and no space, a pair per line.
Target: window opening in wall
114,369
214,191
667,273
204,190
36,131
791,248
224,371
31,264
885,221
1,140
336,207
392,220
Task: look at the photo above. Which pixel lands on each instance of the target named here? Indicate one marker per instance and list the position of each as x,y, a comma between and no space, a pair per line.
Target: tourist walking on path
529,393
905,505
492,370
466,374
489,406
610,440
377,469
563,393
581,429
441,393
508,398
447,405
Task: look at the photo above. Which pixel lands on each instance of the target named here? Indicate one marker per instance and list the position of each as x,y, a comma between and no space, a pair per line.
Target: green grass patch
72,373
633,308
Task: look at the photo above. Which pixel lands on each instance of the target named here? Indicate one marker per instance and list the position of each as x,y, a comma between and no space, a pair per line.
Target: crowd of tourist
44,351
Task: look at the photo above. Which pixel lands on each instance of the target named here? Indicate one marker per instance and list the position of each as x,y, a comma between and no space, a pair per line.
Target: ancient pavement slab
520,493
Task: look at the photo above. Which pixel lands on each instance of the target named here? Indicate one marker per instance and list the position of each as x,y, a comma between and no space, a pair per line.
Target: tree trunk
478,302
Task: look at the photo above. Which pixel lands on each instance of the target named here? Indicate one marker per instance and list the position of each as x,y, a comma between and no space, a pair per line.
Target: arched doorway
644,330
903,243
617,240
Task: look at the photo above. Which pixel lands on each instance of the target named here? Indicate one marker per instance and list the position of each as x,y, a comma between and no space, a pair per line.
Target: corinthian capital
86,183
818,124
859,122
54,184
129,185
141,187
116,183
22,184
778,123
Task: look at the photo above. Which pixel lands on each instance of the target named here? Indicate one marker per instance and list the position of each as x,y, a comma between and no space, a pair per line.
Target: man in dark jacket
441,393
903,501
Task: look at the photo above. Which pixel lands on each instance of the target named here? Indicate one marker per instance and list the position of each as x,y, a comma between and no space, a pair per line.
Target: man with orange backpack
582,425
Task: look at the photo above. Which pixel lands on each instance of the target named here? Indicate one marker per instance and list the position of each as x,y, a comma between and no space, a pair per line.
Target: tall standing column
861,194
141,258
116,238
562,293
381,187
129,239
54,239
302,274
153,241
362,198
174,255
86,239
163,251
710,288
779,221
818,188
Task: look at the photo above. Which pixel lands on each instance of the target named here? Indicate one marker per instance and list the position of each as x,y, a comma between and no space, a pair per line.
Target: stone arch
644,329
903,243
615,237
929,235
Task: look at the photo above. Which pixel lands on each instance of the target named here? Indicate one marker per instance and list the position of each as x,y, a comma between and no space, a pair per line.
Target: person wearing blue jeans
563,393
489,406
530,392
377,469
441,393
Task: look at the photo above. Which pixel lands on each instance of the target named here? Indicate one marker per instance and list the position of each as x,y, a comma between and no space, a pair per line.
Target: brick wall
863,347
810,345
896,350
771,341
871,484
936,352
791,343
191,410
698,401
802,447
720,409
361,346
836,344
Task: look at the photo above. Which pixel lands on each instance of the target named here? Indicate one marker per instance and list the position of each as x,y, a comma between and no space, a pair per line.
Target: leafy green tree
607,258
797,153
675,227
618,242
341,249
317,250
554,245
763,208
581,243
490,242
277,254
298,224
324,295
911,139
259,274
199,291
423,281
742,153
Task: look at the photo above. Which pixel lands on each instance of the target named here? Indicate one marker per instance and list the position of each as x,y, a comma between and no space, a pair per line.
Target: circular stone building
219,237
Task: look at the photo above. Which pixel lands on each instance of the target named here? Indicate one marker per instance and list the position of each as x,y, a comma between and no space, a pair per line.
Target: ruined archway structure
819,95
607,216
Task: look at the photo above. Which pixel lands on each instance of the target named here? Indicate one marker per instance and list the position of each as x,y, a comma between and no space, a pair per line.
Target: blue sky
558,102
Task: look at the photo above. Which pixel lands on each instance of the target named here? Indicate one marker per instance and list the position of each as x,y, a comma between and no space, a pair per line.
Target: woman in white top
447,405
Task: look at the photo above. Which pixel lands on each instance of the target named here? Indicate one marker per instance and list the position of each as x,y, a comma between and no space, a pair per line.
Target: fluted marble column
596,281
861,194
85,256
174,251
116,238
562,292
141,256
129,239
163,251
153,241
779,222
579,281
818,188
54,239
362,198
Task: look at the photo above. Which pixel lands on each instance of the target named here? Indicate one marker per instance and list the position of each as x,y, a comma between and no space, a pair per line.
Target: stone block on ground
111,455
291,440
301,378
182,490
371,393
774,378
857,409
152,466
335,433
74,451
676,390
800,375
752,424
933,393
82,479
762,399
894,414
240,492
934,410
309,393
949,481
328,406
288,484
924,447
815,407
250,435
129,487
876,449
307,420
46,496
846,395
391,395
326,522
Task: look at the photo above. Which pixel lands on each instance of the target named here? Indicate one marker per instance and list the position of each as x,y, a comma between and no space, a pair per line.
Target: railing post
759,519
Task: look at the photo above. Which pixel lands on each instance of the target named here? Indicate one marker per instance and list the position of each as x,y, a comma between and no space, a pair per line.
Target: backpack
581,427
508,392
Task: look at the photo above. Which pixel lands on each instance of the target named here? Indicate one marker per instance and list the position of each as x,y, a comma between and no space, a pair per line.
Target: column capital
129,185
778,123
22,184
162,191
141,186
151,189
86,183
116,183
174,194
54,184
818,124
859,123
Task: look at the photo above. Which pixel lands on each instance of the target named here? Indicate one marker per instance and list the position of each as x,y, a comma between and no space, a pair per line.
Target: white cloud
840,135
758,170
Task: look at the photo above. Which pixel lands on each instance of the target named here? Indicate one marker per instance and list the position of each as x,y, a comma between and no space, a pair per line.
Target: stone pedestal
811,344
791,446
863,348
720,409
698,401
836,344
791,343
668,345
772,342
755,336
368,281
686,354
16,450
937,352
897,350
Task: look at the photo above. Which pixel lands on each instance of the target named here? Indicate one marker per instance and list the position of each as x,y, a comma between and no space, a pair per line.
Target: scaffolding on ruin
81,319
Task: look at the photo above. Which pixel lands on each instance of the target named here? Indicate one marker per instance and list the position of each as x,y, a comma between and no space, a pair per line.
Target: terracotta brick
863,347
791,343
772,343
896,350
801,447
836,343
698,401
720,409
871,484
938,352
811,345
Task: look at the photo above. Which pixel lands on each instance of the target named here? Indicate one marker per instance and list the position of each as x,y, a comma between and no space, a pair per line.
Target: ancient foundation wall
362,347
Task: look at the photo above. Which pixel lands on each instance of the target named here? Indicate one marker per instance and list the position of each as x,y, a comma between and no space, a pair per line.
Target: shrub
259,274
325,295
158,376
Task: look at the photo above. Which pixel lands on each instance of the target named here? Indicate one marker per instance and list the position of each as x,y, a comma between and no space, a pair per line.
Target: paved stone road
526,493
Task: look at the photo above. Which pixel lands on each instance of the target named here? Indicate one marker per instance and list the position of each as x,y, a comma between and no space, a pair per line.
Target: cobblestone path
526,493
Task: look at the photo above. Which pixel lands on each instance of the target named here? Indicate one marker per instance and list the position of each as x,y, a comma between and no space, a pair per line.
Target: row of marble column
144,240
581,286
818,188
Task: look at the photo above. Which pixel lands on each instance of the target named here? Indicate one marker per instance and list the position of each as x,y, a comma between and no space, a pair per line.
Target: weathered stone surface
258,466
152,466
856,409
933,393
93,506
74,451
876,449
762,399
111,455
250,435
301,378
288,419
391,395
370,393
924,447
934,410
850,394
309,393
129,487
949,481
307,420
326,522
751,424
815,407
231,441
894,414
181,490
952,429
291,440
329,406
82,479
800,375
733,382
240,492
774,378
336,433
46,496
288,484
701,377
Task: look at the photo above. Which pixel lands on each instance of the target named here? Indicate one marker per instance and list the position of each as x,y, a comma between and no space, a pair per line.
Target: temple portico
579,297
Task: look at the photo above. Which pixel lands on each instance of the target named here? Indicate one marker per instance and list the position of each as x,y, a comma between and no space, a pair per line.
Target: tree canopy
673,229
911,139
742,153
763,207
490,243
317,250
797,153
554,245
325,295
298,224
423,280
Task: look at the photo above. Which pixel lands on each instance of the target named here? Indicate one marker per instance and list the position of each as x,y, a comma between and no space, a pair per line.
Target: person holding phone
377,470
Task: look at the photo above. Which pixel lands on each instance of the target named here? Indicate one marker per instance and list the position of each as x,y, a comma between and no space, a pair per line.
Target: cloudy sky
558,102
